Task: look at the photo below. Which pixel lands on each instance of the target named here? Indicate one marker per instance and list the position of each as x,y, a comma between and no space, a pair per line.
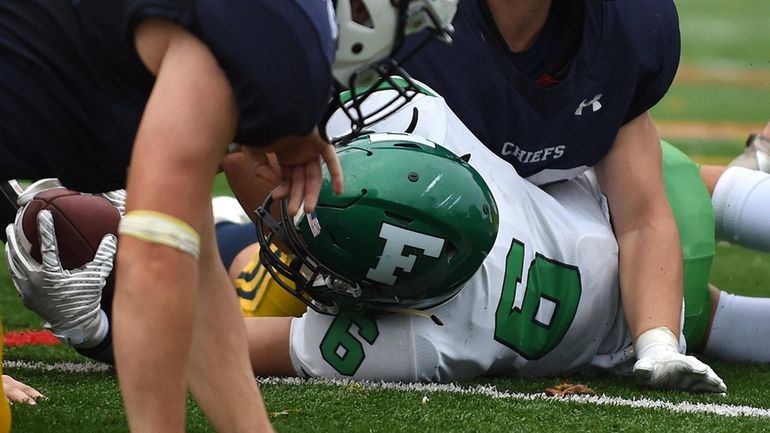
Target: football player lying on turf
502,312
741,209
543,301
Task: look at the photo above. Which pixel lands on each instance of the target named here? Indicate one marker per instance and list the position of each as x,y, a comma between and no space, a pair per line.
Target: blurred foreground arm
189,119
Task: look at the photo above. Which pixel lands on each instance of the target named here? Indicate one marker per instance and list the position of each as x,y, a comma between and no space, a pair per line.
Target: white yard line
427,388
62,367
492,392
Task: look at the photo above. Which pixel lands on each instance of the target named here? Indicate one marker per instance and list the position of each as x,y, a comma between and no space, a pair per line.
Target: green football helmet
415,222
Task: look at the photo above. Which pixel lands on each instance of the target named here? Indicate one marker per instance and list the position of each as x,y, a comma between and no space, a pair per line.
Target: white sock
741,203
741,330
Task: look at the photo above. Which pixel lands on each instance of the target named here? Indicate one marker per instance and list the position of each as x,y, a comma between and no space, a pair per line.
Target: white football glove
117,198
41,185
25,271
660,365
68,300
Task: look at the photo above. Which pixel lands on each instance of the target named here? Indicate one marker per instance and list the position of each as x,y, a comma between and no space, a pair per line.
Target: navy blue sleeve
277,56
653,27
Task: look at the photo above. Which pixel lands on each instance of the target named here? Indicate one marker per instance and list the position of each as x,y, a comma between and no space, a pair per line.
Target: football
80,222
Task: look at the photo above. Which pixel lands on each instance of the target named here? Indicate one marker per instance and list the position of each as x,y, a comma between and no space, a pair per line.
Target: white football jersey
545,301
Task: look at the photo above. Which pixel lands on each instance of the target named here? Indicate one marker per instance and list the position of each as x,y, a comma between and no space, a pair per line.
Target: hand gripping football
80,222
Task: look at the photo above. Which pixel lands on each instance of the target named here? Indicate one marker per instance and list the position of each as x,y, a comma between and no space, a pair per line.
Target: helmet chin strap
418,313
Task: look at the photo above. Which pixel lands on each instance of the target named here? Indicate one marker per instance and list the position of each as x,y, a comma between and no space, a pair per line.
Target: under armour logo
594,103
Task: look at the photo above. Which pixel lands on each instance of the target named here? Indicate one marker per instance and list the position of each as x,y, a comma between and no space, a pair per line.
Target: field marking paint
30,337
61,367
492,392
478,390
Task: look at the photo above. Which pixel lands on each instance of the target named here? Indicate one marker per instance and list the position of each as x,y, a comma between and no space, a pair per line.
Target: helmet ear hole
401,219
407,144
361,14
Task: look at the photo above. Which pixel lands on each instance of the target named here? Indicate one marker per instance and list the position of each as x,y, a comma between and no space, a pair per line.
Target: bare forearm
631,176
189,118
651,275
151,343
247,186
227,393
220,377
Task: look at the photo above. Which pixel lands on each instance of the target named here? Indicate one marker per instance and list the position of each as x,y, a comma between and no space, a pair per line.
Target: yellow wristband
161,228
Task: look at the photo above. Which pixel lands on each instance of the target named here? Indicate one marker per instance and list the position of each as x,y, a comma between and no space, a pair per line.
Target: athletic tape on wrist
659,335
161,228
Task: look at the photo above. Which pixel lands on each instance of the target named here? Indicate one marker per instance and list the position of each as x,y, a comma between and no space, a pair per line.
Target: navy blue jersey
624,64
73,89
